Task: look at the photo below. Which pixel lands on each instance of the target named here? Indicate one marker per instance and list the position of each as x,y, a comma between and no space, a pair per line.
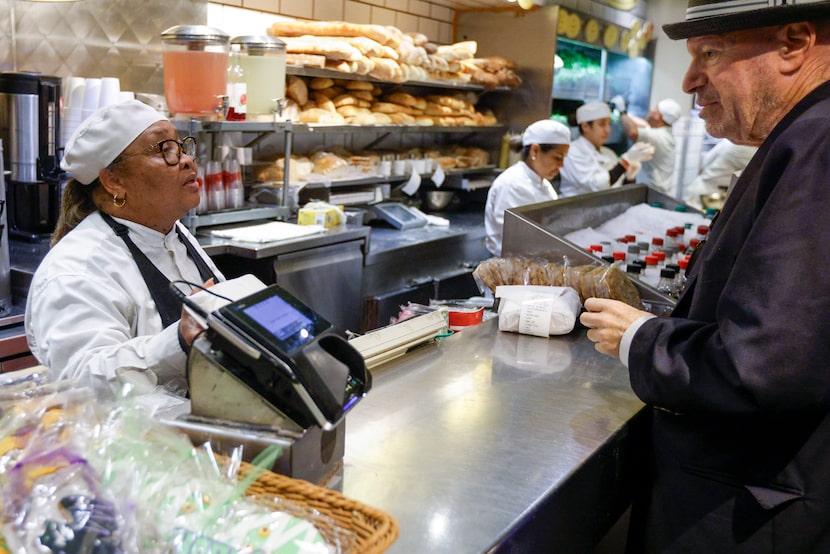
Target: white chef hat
104,135
669,110
546,131
592,111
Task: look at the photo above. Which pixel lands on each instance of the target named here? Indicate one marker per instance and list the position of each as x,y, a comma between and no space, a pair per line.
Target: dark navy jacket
739,376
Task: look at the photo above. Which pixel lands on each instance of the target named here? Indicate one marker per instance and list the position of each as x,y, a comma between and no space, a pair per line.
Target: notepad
268,232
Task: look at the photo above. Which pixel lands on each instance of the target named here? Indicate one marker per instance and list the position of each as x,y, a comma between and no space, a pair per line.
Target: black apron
168,304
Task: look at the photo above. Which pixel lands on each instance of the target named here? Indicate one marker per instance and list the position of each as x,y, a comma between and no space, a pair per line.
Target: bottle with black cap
666,283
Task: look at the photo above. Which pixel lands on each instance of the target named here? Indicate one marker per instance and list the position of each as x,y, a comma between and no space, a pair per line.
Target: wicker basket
371,530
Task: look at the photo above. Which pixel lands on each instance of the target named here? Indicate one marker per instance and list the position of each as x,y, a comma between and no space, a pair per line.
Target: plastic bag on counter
86,474
603,281
537,310
412,309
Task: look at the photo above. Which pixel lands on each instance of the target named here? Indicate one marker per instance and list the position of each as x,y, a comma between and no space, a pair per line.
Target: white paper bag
537,310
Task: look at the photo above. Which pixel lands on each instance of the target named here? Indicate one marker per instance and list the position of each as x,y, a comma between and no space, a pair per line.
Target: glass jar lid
188,34
258,44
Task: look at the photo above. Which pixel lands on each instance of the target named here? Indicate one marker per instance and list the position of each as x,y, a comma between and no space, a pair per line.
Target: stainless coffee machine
30,130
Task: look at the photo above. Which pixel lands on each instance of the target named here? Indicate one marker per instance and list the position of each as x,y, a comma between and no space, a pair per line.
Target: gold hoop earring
118,204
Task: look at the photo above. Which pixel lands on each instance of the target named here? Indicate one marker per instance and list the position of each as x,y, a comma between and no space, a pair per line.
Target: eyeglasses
170,149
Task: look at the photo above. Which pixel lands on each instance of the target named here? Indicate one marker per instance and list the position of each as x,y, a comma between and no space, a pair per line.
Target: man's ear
795,40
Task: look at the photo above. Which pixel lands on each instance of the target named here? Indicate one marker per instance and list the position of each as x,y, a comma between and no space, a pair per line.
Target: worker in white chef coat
100,307
655,129
544,146
719,168
592,167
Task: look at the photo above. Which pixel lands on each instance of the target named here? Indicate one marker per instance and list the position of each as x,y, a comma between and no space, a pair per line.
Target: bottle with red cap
682,241
650,275
671,237
680,278
656,244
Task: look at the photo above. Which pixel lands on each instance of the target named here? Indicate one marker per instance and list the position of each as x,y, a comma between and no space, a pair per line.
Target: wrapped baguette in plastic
587,280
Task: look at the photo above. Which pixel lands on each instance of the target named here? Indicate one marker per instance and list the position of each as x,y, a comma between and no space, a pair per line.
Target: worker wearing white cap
655,129
592,167
100,306
543,146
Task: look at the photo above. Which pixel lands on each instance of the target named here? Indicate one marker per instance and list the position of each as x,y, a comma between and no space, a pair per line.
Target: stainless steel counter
494,441
388,242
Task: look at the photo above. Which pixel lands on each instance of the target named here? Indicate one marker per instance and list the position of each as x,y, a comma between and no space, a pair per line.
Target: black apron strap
197,258
168,304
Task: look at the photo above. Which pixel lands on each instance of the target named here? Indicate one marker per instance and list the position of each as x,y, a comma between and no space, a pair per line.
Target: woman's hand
189,327
607,321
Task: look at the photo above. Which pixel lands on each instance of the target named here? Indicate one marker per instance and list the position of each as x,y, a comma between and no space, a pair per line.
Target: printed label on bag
534,318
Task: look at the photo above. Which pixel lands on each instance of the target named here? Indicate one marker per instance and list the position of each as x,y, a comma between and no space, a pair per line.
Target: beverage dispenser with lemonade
262,61
195,61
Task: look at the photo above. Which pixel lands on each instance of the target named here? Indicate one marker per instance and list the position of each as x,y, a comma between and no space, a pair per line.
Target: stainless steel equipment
229,414
277,372
30,130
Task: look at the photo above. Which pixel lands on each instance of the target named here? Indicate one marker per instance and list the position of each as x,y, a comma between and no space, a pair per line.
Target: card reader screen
280,322
279,318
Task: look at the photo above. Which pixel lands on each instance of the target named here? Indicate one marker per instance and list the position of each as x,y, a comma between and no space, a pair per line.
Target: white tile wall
329,10
407,23
397,5
383,16
419,7
264,5
357,12
295,8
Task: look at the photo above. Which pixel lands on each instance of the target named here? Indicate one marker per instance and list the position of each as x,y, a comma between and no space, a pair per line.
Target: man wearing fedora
738,377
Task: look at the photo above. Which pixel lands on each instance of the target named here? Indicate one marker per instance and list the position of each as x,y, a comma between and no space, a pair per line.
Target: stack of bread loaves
386,53
336,163
358,102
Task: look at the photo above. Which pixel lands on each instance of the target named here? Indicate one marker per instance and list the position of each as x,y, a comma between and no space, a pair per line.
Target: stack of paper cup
92,96
110,92
73,100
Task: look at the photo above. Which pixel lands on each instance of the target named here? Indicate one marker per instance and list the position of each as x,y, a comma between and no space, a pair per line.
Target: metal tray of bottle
538,230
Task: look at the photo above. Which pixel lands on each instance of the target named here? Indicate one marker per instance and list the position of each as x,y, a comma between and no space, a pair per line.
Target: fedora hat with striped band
713,17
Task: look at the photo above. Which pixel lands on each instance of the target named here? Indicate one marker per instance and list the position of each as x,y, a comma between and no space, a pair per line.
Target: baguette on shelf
388,54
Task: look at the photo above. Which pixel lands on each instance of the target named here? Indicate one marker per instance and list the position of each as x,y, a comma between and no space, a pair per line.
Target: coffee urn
30,131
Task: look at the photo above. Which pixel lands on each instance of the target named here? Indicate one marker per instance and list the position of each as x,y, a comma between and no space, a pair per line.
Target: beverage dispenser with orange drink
195,60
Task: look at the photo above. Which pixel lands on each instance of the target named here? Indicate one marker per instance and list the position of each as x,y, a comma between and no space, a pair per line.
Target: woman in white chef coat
592,167
544,146
100,304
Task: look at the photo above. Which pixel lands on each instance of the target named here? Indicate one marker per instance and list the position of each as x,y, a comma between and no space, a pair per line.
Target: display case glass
580,73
